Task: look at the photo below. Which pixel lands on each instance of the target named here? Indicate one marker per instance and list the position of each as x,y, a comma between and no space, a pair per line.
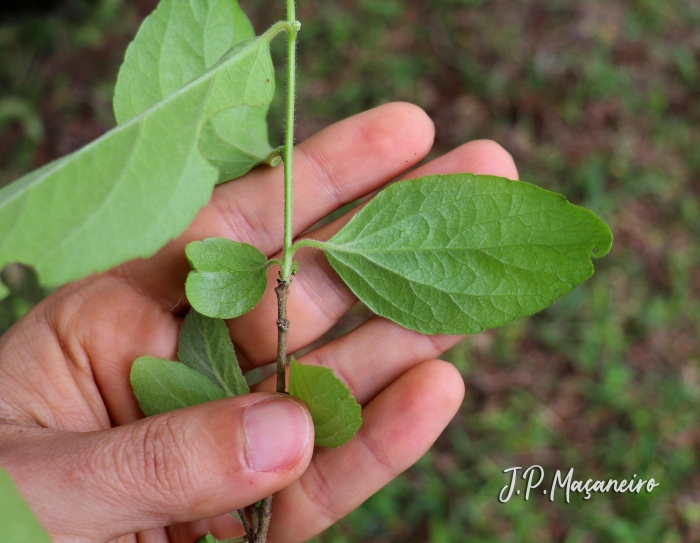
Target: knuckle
378,458
154,461
320,493
244,223
324,170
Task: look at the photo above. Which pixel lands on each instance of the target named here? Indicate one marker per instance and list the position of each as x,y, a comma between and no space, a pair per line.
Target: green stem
292,30
278,27
309,243
292,26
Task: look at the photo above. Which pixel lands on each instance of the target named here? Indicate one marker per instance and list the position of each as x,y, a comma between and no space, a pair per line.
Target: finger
336,166
367,360
185,465
131,325
221,527
372,356
318,297
398,428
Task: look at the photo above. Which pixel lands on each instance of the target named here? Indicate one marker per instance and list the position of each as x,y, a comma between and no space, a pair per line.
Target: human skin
94,470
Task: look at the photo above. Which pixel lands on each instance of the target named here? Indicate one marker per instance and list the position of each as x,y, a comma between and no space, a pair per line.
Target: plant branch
307,242
287,267
292,30
246,526
265,514
282,292
254,517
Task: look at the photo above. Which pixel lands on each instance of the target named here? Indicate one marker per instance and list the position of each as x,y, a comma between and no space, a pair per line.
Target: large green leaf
455,254
235,141
228,277
335,413
161,385
205,346
177,42
17,521
127,193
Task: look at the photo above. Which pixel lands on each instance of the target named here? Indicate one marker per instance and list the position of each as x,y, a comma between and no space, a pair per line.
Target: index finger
344,162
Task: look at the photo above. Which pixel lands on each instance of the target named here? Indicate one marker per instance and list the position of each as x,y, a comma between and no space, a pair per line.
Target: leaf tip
191,251
604,244
335,413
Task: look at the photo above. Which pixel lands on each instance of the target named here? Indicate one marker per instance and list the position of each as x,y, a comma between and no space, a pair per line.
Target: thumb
189,464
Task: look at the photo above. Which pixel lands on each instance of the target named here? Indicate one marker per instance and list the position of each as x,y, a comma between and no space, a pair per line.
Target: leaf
205,346
459,253
228,277
211,539
236,140
177,42
336,414
161,385
17,520
127,193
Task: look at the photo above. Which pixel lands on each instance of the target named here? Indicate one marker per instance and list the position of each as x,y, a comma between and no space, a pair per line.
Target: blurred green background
596,99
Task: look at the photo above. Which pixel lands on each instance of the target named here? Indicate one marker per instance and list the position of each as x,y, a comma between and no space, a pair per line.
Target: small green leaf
211,539
177,42
161,385
127,193
228,277
336,414
205,346
17,521
459,253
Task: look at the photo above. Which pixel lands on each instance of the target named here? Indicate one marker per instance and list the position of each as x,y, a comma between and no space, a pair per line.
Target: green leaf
127,193
177,42
228,277
459,253
211,539
236,140
161,385
336,414
205,346
18,523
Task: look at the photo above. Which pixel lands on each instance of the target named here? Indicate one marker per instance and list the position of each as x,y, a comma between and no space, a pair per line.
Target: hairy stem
292,30
286,270
282,292
248,530
265,514
254,517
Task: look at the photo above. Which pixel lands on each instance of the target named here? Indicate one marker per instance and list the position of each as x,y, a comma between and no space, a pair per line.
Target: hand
71,433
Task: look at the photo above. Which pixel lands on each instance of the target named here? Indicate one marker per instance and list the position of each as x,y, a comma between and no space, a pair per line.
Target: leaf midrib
217,374
210,73
447,292
344,248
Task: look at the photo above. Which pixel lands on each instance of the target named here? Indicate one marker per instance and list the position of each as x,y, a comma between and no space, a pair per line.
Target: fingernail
277,432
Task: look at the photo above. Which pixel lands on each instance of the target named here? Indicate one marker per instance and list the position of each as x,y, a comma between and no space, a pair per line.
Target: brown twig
265,515
254,517
282,292
248,530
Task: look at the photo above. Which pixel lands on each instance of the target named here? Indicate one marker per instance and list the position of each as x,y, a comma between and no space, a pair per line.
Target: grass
599,100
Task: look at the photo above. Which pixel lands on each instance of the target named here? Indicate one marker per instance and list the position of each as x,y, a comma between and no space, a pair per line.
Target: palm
67,363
